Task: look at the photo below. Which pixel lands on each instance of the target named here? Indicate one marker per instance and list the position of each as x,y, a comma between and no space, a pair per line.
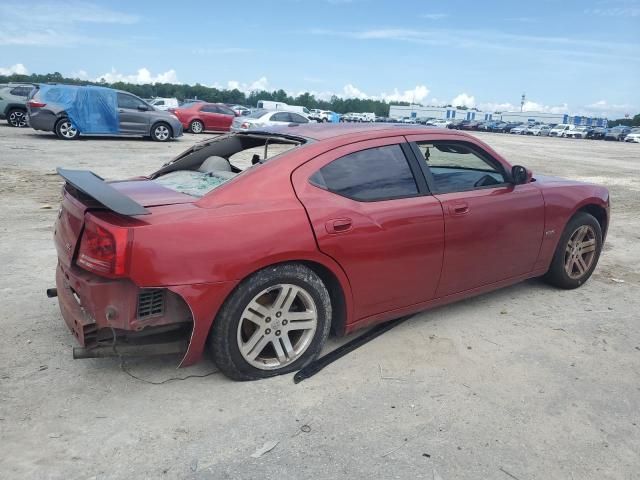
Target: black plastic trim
92,185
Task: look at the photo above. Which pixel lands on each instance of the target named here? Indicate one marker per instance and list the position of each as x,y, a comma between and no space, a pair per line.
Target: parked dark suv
13,99
70,111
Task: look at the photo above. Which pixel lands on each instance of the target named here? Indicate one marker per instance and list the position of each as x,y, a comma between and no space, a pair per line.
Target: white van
561,130
269,105
164,103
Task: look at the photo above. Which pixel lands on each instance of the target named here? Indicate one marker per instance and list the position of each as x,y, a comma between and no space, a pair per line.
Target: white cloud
558,47
54,25
602,108
18,68
349,91
260,84
614,12
57,13
464,100
434,16
415,95
143,75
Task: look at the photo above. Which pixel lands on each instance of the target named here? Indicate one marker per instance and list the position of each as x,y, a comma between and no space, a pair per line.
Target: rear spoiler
92,185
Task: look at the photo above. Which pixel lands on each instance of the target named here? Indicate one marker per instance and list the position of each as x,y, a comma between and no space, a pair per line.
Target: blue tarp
90,109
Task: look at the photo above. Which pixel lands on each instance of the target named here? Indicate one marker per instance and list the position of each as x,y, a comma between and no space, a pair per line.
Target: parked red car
353,225
197,117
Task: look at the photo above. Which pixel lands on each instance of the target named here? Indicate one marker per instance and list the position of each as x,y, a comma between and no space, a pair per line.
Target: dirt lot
528,382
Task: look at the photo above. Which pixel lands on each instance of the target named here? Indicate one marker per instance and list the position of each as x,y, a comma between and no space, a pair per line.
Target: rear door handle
459,209
339,225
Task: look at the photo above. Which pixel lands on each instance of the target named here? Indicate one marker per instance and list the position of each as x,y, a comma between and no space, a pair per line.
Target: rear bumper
42,120
91,306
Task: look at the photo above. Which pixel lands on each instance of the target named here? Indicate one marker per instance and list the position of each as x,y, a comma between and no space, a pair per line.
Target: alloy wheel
67,130
196,127
580,252
277,326
161,133
18,118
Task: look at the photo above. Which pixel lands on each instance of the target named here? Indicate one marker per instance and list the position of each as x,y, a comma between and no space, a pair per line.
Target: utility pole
522,103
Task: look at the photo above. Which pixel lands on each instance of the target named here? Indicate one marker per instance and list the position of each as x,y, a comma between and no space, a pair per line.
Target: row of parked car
563,130
70,110
164,118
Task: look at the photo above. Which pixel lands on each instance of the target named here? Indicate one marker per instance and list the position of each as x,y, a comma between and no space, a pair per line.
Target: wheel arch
14,106
599,212
205,308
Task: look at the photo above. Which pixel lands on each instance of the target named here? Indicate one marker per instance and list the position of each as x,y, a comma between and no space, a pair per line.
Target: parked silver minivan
70,111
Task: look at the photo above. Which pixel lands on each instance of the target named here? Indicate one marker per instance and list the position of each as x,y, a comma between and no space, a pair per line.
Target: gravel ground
528,382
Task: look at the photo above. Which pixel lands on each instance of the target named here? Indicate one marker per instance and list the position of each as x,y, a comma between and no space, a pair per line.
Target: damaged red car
329,228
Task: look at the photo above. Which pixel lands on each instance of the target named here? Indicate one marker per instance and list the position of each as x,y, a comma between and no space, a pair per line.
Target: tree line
215,95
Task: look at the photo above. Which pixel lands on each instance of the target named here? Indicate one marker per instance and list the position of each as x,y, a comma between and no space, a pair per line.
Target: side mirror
143,108
520,175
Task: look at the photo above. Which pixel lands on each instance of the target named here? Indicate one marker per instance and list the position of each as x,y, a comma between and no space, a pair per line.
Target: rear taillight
36,104
104,248
245,125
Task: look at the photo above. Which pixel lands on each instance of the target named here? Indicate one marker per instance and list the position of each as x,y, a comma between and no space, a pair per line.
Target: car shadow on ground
160,370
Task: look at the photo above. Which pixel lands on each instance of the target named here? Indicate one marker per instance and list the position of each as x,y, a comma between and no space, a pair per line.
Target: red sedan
351,226
199,116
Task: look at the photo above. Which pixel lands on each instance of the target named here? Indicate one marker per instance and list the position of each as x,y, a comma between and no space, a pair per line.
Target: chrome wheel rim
161,132
580,252
67,130
18,119
196,127
277,326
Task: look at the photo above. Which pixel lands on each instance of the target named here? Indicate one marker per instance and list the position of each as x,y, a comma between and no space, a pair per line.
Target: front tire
196,126
577,253
274,322
17,117
161,132
65,130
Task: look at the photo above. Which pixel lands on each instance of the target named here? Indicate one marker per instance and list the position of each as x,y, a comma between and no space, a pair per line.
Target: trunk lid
85,191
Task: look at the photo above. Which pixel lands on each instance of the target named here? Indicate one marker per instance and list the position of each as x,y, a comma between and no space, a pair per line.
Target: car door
225,117
370,211
210,116
134,115
493,228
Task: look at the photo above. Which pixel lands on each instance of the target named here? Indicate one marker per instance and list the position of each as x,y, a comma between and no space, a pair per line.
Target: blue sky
566,55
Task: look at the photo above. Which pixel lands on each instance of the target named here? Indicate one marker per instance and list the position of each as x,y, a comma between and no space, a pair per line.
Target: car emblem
68,247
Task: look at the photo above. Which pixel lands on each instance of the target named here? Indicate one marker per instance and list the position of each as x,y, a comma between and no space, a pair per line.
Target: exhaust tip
52,292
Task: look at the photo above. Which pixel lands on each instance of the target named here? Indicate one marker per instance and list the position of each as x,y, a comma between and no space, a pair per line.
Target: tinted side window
374,174
280,117
128,101
456,167
21,91
298,118
225,110
209,109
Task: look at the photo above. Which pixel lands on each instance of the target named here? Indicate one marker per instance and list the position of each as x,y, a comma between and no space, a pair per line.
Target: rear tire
17,117
161,132
577,253
65,130
254,336
196,126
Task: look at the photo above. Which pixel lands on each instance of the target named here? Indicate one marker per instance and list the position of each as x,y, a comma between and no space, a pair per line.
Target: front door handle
339,225
459,209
